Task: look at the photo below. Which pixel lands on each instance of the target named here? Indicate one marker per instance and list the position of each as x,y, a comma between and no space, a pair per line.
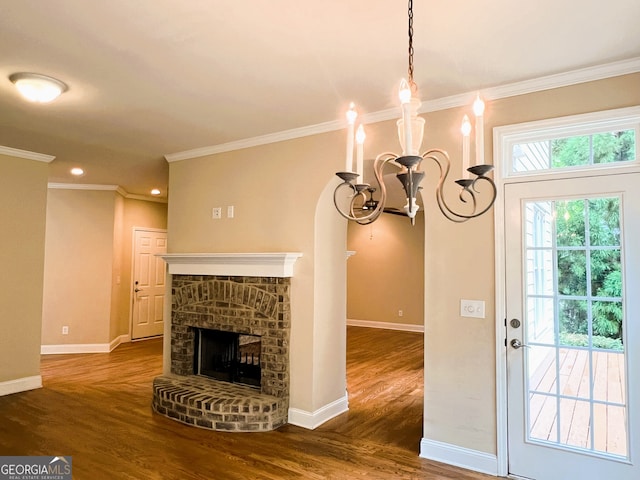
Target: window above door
578,145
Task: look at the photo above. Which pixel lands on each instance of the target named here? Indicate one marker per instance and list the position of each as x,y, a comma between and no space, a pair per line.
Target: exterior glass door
572,334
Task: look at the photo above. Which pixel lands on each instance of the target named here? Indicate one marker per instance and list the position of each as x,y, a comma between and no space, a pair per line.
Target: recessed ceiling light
77,171
38,88
155,191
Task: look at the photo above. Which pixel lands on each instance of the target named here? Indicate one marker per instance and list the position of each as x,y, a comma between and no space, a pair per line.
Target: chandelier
354,204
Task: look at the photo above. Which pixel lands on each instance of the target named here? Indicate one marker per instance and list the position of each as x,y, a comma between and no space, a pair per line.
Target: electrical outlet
472,308
400,313
217,213
65,330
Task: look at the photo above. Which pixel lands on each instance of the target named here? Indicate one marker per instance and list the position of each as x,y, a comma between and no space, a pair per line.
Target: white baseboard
406,327
459,457
84,347
119,340
312,420
20,385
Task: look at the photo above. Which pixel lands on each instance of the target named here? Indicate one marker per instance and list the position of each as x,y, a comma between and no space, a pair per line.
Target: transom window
578,151
582,142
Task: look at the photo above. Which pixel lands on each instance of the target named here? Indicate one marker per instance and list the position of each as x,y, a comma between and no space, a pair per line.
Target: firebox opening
227,356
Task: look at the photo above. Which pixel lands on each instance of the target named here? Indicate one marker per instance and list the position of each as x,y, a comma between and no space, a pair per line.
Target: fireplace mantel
278,264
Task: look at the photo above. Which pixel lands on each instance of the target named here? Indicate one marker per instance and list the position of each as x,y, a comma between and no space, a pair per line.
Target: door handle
515,343
138,290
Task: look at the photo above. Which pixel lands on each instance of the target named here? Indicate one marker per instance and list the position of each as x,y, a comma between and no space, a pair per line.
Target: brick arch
234,291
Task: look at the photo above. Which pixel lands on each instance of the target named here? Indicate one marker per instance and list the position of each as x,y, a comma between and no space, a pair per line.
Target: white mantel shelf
278,264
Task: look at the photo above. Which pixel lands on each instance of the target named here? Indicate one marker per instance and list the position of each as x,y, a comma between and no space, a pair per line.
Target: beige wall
387,272
88,263
23,197
79,262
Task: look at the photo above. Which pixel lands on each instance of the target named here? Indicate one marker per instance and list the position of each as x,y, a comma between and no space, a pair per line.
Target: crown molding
83,186
15,152
574,77
256,141
558,80
133,196
112,188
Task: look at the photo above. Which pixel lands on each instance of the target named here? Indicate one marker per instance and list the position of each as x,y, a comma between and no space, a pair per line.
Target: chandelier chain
410,15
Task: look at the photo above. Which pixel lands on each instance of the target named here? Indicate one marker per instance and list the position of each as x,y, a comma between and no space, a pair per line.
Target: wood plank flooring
97,409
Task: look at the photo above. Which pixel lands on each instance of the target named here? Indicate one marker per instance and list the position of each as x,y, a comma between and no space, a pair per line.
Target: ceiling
154,77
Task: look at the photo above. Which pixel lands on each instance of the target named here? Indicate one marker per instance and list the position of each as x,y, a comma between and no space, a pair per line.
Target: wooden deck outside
576,426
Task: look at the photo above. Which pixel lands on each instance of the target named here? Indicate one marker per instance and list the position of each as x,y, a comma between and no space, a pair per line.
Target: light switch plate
472,308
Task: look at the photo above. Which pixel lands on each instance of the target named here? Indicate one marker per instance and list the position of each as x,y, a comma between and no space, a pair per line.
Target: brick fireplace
214,296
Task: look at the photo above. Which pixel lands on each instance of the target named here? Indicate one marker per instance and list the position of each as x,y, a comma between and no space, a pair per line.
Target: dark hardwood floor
97,409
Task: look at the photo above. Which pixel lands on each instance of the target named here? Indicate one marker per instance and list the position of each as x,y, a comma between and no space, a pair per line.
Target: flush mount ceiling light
155,191
77,171
355,206
38,88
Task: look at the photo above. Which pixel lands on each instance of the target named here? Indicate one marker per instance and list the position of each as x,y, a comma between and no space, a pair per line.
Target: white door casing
149,283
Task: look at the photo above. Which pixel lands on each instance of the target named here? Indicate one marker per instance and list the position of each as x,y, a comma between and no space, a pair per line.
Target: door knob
515,343
138,290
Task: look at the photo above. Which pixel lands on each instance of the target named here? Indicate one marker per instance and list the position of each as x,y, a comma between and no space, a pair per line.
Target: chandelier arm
355,196
380,162
351,215
378,168
441,158
444,171
470,190
493,195
335,199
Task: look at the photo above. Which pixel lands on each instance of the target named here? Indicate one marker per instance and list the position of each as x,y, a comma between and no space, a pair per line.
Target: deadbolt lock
515,323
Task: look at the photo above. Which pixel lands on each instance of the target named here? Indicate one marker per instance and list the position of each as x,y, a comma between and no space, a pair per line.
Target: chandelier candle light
410,132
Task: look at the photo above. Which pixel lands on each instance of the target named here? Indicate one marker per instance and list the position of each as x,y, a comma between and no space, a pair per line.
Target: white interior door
573,301
148,283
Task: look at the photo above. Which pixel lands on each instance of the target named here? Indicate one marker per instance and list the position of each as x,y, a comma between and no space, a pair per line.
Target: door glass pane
575,418
574,324
604,222
606,277
539,220
543,414
570,223
540,320
572,272
574,373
